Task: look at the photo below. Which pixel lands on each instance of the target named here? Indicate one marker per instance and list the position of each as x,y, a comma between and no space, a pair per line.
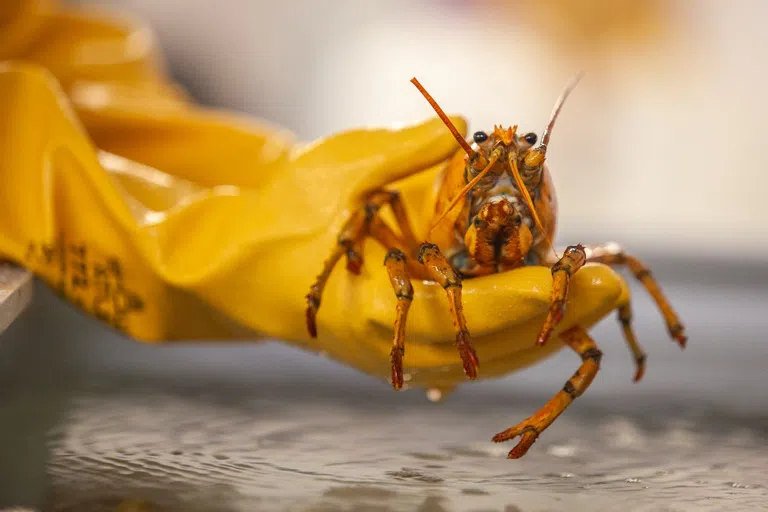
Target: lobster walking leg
403,222
624,314
388,239
398,276
625,318
530,429
362,223
612,254
351,236
573,259
441,271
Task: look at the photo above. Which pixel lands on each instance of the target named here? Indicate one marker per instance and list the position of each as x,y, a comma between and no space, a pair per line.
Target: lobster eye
530,138
480,137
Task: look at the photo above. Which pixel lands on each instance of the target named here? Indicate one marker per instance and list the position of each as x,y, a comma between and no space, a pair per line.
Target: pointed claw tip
397,381
355,267
313,304
396,358
506,435
543,337
470,371
468,355
470,367
311,325
677,332
522,447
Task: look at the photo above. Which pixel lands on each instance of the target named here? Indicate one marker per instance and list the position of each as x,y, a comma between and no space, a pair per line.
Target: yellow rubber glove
210,226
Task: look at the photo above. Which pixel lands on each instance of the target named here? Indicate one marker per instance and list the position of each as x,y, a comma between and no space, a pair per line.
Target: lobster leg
530,429
395,262
390,240
612,254
573,259
362,223
403,222
441,271
349,239
625,319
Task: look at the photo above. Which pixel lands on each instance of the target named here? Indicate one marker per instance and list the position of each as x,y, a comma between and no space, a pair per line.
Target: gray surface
252,451
16,287
89,418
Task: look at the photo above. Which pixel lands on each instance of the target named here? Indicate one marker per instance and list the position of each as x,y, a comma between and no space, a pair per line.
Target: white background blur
660,146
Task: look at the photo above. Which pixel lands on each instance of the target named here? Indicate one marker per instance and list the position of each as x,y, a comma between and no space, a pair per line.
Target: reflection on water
252,428
240,450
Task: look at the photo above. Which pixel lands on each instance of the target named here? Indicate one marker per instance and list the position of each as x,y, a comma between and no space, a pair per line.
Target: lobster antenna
463,143
558,106
552,118
524,191
466,189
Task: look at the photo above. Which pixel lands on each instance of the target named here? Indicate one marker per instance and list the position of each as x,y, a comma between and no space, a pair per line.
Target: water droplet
633,480
407,377
623,433
434,395
567,475
562,450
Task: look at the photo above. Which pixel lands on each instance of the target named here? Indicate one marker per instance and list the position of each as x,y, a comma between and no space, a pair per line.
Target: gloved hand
172,222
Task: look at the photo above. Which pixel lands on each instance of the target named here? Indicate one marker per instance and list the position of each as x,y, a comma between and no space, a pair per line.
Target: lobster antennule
463,143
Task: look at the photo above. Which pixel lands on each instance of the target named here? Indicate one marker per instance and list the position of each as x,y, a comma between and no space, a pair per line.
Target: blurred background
660,148
660,144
